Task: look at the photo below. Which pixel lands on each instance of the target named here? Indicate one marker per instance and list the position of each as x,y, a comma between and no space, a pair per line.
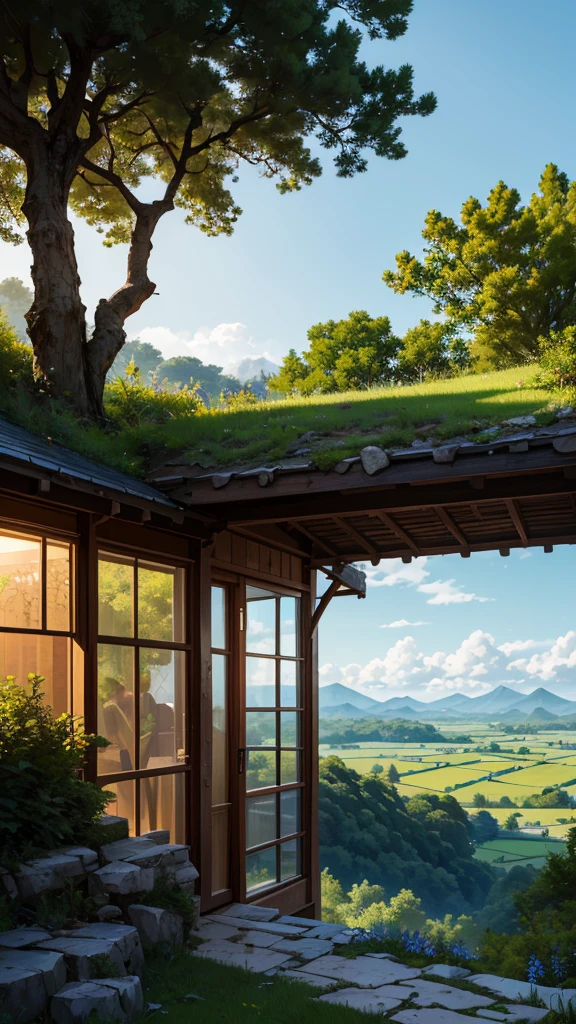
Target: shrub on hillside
558,362
43,802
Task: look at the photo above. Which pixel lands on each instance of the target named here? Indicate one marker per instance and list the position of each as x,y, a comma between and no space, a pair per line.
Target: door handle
241,760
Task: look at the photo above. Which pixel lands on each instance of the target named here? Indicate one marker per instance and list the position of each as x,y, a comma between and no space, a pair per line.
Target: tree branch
114,179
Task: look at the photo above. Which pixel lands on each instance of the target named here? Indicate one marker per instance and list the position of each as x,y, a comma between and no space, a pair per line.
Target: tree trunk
56,319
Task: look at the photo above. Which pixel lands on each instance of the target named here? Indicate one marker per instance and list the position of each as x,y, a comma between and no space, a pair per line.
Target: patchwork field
508,853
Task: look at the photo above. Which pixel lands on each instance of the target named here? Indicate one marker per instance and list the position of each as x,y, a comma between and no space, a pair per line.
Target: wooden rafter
450,525
327,548
397,531
359,537
516,517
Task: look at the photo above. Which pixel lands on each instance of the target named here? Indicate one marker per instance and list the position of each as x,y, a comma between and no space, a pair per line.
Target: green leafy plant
43,802
103,966
167,895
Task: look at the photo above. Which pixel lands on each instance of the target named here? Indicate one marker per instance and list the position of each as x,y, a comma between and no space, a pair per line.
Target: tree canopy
504,275
98,97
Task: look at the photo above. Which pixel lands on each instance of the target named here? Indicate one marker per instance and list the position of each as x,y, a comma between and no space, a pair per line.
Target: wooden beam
450,525
348,528
323,604
398,531
327,548
516,518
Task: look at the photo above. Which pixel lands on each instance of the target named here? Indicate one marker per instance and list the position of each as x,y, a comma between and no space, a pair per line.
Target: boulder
373,459
114,825
520,421
78,953
159,836
125,848
19,938
155,925
48,965
76,1001
167,855
129,992
22,994
108,912
8,885
124,936
46,875
88,857
445,454
121,878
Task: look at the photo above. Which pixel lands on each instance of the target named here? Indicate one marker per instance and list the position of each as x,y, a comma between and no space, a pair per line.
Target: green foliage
243,399
103,966
43,802
505,274
430,350
367,831
485,827
511,823
373,729
168,895
189,369
130,403
558,363
15,357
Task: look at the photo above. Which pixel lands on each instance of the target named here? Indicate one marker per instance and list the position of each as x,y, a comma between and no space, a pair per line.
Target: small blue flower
535,969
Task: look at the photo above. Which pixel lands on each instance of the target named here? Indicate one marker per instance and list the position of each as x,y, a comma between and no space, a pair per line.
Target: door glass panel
57,586
116,708
288,621
290,728
260,621
260,820
220,849
260,683
290,684
48,656
289,812
290,859
261,729
219,730
289,767
260,769
162,725
219,618
261,869
115,596
162,805
122,804
160,603
20,582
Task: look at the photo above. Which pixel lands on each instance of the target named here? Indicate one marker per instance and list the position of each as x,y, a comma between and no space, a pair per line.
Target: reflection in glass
220,849
219,618
162,805
20,582
57,585
289,684
290,859
260,683
261,729
288,622
260,820
289,767
260,621
162,705
122,805
289,728
160,603
115,596
219,730
260,769
48,656
116,708
289,812
261,869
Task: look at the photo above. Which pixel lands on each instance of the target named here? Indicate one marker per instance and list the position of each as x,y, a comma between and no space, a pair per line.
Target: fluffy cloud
224,344
402,624
471,659
545,666
393,572
448,592
517,645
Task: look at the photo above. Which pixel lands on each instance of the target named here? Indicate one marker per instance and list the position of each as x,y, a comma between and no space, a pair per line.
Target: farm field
509,853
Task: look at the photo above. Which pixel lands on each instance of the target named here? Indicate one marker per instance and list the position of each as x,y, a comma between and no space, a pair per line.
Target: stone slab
325,931
304,977
250,913
237,955
50,966
530,1013
167,853
264,926
255,938
18,938
510,989
124,848
79,952
155,925
129,991
495,1015
159,836
84,853
426,993
447,971
366,1000
212,930
307,948
121,878
22,994
309,922
124,936
342,939
76,1001
435,1016
363,971
382,956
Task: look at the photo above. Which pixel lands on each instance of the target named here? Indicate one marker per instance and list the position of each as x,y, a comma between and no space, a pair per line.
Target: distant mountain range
250,367
503,703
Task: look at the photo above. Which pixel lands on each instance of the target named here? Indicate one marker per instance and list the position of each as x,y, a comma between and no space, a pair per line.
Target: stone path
299,949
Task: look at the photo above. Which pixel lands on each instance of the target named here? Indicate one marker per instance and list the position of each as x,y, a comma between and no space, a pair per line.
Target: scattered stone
418,443
124,936
108,913
447,971
237,955
50,966
76,1001
18,938
250,913
156,925
364,971
46,874
367,1001
565,443
342,939
345,464
211,930
429,993
382,956
563,414
88,857
129,991
79,953
22,994
123,879
373,459
307,948
161,836
445,454
264,926
221,480
520,421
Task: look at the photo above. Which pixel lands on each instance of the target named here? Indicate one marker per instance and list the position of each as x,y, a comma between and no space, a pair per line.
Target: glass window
289,812
290,859
290,728
289,767
48,656
260,683
160,603
260,621
290,684
288,623
220,849
162,805
261,869
260,769
260,820
162,726
57,586
116,708
219,618
20,582
115,596
123,801
219,730
261,729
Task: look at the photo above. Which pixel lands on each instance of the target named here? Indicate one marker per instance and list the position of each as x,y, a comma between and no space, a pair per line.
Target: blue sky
503,74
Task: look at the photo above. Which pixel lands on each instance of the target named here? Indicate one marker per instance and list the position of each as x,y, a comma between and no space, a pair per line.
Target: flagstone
434,1016
509,988
263,939
363,971
365,1000
307,948
212,930
430,992
235,954
303,976
251,913
447,971
263,926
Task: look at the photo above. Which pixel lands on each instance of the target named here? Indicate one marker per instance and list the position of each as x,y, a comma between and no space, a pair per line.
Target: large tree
99,95
505,274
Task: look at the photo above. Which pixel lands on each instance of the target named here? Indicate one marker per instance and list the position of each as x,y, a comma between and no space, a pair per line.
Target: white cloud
513,646
392,571
439,687
223,344
471,659
448,592
402,624
545,666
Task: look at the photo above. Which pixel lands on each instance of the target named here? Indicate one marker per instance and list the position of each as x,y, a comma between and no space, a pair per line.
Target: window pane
289,812
260,820
260,621
116,708
115,596
160,611
261,729
289,767
260,683
219,617
288,624
290,684
48,656
290,728
162,805
219,730
162,707
260,769
123,802
290,859
57,586
220,849
20,579
261,869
